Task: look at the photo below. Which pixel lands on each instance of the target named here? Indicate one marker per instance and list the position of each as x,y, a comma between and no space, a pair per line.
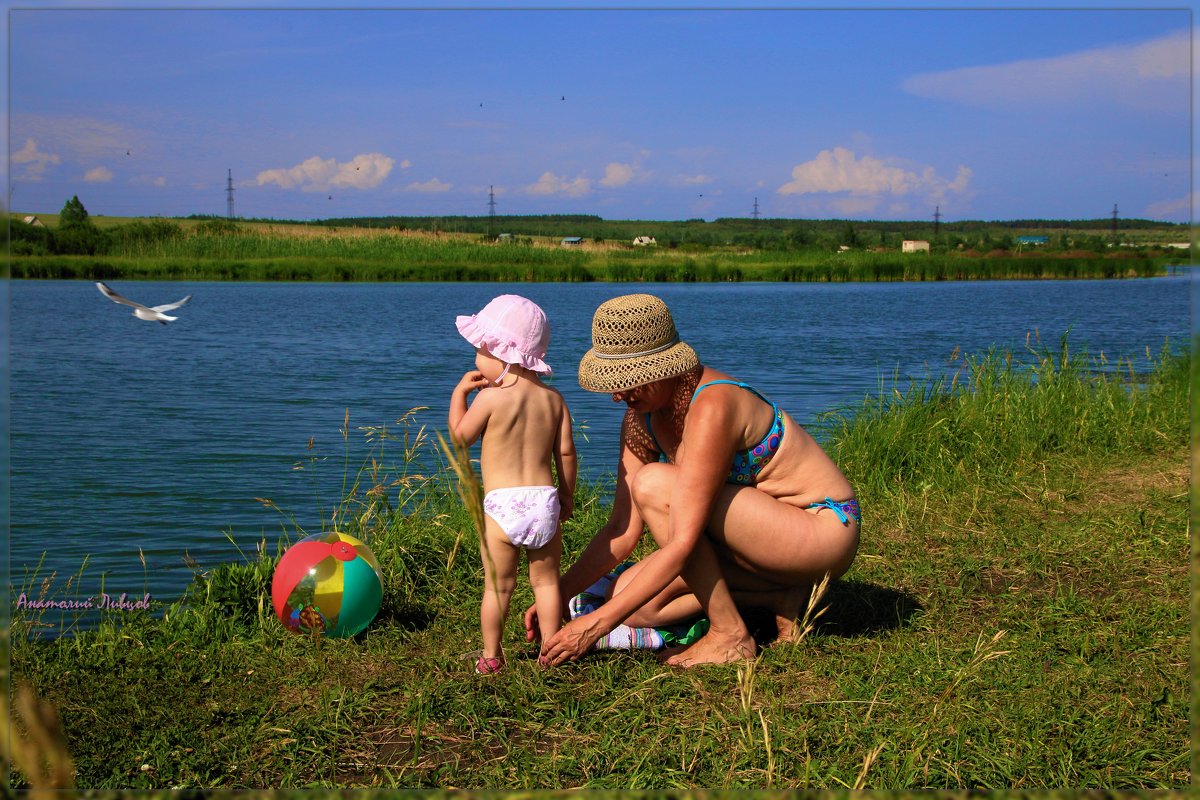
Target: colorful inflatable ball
327,584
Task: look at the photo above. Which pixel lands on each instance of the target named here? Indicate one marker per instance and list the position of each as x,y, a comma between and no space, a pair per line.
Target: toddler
524,425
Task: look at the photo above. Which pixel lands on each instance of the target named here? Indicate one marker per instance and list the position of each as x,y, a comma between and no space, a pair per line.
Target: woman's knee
651,486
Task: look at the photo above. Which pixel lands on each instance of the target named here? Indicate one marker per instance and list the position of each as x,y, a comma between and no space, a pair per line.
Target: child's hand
566,506
471,381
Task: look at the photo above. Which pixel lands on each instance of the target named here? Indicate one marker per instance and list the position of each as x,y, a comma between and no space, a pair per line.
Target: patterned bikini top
746,463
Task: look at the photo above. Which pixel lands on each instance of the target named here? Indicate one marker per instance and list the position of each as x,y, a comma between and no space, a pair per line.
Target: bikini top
746,463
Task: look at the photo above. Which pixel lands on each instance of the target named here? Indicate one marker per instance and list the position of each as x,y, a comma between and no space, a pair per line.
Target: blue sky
671,113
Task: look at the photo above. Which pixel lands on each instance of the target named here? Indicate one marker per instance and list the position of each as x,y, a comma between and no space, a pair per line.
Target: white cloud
364,171
98,175
855,204
695,180
1153,75
405,164
81,138
1177,208
863,183
616,174
32,161
431,186
550,184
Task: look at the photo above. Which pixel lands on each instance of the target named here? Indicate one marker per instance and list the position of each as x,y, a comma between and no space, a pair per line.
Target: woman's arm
691,488
615,540
610,545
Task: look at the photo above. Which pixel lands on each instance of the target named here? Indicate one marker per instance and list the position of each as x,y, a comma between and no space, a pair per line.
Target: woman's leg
727,639
757,548
774,554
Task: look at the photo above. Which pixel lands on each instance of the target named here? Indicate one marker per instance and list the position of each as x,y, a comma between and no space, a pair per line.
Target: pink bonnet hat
512,329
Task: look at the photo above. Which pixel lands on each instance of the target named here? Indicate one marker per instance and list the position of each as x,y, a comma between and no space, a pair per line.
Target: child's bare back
524,428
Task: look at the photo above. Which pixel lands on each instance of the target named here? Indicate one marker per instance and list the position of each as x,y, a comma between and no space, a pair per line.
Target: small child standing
524,425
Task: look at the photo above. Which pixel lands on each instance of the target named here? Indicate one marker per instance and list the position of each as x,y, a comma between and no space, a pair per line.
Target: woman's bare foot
788,605
714,648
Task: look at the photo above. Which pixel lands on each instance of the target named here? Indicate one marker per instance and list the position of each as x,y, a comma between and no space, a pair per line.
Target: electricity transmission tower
491,213
229,195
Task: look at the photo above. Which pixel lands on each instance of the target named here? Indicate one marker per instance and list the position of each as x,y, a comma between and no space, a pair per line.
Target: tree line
76,234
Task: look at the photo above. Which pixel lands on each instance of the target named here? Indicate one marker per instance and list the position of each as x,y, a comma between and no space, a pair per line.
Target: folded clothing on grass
625,637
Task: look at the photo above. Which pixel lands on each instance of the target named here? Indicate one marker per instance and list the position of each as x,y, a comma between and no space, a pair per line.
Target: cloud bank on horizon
1079,112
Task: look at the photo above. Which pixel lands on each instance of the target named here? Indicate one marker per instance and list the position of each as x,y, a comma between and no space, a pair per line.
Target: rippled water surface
128,434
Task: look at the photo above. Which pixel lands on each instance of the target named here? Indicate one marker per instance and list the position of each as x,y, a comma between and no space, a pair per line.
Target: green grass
1017,617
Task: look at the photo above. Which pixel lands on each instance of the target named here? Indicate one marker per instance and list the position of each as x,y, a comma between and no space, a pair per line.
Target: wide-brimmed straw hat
511,328
634,342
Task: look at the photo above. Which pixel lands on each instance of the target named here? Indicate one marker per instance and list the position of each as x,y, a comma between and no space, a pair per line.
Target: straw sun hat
634,342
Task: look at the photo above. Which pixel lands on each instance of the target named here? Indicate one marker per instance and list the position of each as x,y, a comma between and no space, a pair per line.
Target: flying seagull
151,313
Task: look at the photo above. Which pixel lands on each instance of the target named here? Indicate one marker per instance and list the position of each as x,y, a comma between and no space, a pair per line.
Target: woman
742,502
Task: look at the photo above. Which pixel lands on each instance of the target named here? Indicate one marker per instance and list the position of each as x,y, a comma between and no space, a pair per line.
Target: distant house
643,241
1033,240
505,237
32,220
572,241
914,246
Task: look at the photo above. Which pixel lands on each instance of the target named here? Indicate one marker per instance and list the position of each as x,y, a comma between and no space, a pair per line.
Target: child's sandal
489,666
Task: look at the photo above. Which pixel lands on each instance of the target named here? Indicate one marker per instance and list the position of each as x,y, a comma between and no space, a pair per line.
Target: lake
127,434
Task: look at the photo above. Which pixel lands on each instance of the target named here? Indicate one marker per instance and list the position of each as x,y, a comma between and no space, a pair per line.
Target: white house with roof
914,246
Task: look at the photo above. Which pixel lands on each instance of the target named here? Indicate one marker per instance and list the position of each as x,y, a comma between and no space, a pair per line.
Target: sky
666,113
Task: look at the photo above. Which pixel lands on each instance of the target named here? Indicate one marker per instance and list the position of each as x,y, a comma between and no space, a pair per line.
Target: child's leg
543,578
500,558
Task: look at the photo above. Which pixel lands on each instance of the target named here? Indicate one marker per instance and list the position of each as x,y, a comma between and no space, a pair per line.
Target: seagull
151,313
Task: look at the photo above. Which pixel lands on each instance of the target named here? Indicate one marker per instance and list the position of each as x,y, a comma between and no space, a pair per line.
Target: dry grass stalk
470,488
40,754
983,653
867,762
808,620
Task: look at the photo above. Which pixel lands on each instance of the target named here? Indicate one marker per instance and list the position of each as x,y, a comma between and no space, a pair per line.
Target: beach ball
327,584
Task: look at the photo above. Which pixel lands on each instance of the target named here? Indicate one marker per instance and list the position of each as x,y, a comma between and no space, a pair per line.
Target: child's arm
566,465
466,425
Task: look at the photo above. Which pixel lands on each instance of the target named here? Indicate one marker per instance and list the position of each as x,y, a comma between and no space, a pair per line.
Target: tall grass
1016,618
992,418
256,256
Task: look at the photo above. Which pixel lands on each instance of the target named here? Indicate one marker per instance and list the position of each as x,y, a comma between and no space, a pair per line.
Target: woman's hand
572,640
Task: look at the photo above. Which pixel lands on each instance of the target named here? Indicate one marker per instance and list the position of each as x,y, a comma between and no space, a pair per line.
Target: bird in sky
148,313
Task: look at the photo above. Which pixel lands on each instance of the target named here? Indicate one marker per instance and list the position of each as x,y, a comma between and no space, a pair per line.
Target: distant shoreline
536,250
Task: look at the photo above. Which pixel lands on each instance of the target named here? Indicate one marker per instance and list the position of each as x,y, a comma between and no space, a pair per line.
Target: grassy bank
220,250
1017,617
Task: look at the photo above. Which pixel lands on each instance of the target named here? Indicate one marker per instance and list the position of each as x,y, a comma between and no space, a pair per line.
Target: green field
471,249
1017,618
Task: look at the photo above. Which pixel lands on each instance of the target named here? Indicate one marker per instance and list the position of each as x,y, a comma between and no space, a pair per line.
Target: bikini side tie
837,508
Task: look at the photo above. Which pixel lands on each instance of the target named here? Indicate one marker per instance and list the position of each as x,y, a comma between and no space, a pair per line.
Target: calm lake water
127,434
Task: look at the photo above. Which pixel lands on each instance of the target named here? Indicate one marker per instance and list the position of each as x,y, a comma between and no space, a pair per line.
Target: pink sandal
489,666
